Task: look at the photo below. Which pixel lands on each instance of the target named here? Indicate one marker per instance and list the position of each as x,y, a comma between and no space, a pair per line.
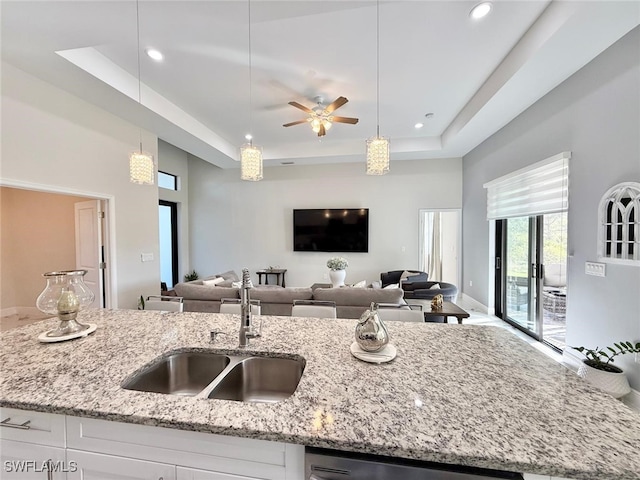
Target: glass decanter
63,296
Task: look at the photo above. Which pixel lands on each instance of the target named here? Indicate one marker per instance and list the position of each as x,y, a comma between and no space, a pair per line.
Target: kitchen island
455,394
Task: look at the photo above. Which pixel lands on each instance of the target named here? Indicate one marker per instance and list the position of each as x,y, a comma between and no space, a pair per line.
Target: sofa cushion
229,275
213,282
277,294
203,292
359,296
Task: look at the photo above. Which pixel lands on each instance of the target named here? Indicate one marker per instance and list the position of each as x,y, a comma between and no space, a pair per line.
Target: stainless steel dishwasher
322,464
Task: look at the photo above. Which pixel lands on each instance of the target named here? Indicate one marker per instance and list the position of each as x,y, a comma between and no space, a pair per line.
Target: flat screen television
331,230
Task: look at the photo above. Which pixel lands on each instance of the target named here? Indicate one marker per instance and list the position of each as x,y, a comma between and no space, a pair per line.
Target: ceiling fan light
141,168
327,124
315,125
250,163
377,155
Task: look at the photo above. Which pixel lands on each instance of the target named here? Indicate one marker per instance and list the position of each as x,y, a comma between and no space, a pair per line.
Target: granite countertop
458,394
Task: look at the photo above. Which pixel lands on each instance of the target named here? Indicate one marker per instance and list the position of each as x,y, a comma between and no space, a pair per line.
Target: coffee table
448,310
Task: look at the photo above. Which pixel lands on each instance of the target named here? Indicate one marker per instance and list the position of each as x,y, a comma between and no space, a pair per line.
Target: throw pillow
360,284
435,286
213,282
226,283
391,285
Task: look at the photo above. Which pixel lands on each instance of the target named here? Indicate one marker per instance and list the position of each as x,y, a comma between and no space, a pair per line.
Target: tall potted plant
337,272
598,368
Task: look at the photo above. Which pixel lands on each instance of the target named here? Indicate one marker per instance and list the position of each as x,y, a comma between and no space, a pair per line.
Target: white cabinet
32,446
29,461
96,466
194,474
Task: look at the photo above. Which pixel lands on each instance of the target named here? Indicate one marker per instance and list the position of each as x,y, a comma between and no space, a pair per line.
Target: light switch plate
592,268
146,257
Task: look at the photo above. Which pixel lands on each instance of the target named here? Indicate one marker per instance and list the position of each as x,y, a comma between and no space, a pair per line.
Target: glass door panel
554,279
519,284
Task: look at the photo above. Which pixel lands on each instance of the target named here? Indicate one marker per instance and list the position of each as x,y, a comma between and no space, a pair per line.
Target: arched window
619,226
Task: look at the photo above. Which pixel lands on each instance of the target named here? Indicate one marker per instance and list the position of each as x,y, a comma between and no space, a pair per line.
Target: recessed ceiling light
248,136
419,125
155,54
480,10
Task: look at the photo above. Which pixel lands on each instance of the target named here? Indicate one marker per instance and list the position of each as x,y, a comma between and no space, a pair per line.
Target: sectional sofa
350,302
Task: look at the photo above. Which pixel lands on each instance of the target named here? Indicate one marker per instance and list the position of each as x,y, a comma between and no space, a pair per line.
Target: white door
89,218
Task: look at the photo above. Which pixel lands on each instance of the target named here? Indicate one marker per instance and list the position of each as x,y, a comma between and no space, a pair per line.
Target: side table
278,272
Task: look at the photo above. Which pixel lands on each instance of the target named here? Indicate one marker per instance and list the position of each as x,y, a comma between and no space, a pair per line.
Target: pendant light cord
378,67
250,81
138,61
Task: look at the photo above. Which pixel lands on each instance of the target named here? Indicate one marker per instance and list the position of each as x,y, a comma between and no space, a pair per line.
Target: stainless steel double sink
215,375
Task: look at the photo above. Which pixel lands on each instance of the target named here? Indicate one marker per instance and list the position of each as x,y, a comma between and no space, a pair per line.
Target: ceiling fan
320,117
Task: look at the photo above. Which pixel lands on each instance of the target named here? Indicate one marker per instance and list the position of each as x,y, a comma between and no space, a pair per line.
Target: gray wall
595,114
236,224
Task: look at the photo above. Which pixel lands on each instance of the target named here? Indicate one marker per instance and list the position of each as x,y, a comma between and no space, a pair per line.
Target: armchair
396,276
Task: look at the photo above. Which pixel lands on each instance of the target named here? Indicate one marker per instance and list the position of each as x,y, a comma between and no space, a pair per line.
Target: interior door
89,246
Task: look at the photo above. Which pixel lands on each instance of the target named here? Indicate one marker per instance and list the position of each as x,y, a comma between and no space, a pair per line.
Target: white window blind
534,190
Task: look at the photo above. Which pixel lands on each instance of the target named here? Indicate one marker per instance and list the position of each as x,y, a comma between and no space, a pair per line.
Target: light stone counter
459,394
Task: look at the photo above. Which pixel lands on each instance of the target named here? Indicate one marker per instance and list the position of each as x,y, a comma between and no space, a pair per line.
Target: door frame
110,283
174,238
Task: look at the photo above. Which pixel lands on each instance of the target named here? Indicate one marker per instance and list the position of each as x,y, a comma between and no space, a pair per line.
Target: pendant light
377,147
141,166
250,155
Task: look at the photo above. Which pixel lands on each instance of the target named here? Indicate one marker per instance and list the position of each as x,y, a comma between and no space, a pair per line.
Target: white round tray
384,355
44,339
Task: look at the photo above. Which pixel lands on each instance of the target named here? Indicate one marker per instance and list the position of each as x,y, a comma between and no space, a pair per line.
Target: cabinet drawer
24,461
94,466
224,454
32,427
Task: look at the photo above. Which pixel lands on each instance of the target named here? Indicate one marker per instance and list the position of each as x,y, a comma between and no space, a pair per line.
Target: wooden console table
448,310
278,272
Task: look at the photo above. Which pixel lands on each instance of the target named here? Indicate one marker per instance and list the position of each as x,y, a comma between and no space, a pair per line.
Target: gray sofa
276,300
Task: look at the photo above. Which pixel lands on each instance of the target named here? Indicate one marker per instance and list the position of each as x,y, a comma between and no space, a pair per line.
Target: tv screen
331,230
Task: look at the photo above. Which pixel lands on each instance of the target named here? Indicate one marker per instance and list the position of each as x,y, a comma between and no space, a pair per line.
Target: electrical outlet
471,283
146,257
596,269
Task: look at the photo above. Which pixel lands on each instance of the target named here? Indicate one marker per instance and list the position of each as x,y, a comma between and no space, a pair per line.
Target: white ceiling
474,76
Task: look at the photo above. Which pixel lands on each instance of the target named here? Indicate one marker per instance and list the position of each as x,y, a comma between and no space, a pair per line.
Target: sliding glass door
520,279
531,280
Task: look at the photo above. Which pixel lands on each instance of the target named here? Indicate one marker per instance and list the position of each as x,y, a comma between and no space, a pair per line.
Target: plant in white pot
338,272
598,368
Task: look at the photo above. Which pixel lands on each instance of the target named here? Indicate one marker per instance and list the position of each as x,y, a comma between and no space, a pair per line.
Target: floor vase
337,277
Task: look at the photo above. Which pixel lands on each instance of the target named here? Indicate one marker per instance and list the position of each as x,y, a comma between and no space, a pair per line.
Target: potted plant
337,274
598,368
189,277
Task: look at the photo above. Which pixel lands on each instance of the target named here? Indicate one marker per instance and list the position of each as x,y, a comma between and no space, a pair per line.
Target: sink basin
260,379
183,373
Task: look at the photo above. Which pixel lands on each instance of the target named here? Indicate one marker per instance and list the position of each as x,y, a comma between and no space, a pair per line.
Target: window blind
534,190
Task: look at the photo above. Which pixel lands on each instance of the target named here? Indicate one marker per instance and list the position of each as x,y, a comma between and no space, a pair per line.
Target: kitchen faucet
246,330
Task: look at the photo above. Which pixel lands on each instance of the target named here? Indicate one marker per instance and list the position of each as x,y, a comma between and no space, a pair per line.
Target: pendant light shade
377,155
142,169
250,163
377,147
250,156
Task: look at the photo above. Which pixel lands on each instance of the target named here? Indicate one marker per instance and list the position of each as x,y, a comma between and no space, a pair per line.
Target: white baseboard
572,361
20,311
472,304
5,312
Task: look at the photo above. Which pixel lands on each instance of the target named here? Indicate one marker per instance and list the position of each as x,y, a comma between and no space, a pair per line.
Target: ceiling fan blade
301,107
322,132
350,120
337,103
294,123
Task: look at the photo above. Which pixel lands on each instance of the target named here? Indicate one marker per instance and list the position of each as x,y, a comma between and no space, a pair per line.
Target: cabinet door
28,461
95,466
195,474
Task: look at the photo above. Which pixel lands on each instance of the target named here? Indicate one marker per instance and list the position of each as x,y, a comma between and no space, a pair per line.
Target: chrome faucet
246,331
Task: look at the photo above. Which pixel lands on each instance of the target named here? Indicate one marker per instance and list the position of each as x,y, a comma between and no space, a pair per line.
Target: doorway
439,245
168,225
531,277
